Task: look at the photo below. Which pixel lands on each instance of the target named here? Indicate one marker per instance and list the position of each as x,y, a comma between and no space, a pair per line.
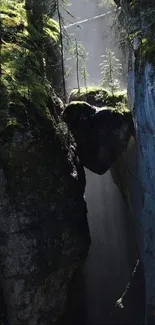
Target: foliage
24,58
138,23
147,49
79,57
110,71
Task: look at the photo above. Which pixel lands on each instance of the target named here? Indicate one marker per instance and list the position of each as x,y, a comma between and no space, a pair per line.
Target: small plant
110,71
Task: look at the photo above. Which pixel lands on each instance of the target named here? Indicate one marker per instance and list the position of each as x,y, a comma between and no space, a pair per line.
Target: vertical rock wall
44,235
139,19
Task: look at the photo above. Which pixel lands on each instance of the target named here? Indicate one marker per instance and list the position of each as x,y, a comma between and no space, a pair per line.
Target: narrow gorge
77,162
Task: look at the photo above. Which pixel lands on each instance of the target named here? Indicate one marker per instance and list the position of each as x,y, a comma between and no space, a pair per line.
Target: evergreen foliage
110,71
79,56
25,49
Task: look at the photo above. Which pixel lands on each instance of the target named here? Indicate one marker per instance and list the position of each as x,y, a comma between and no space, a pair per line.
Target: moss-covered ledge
98,96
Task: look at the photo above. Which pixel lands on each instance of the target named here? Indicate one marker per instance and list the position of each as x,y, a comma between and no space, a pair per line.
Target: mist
95,36
109,263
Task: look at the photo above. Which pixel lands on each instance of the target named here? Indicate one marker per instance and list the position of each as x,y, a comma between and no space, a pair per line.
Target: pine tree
110,71
79,55
85,75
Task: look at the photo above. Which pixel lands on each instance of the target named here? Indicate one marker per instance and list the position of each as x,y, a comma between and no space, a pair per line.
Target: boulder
101,134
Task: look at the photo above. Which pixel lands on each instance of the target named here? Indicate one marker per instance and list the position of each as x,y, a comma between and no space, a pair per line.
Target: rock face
142,99
44,235
124,172
101,134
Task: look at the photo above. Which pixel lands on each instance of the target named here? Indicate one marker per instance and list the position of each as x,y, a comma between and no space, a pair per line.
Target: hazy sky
95,36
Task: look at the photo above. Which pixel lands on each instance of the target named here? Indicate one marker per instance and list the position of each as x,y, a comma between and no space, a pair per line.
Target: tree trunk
37,10
0,48
37,21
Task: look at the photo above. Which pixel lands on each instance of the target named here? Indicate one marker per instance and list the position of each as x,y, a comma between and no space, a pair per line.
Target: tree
110,71
85,75
0,47
62,48
79,56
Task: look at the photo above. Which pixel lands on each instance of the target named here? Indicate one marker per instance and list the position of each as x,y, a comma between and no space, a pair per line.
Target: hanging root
119,302
130,307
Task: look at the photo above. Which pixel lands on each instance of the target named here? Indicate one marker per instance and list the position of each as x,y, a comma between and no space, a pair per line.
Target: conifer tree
79,55
110,71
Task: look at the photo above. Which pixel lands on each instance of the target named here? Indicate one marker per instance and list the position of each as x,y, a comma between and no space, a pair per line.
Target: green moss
94,89
85,90
51,28
12,122
98,96
102,100
121,107
21,59
75,93
147,50
76,102
117,98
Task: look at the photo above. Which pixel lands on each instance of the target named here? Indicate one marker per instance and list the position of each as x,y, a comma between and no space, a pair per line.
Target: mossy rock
97,96
147,50
78,111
